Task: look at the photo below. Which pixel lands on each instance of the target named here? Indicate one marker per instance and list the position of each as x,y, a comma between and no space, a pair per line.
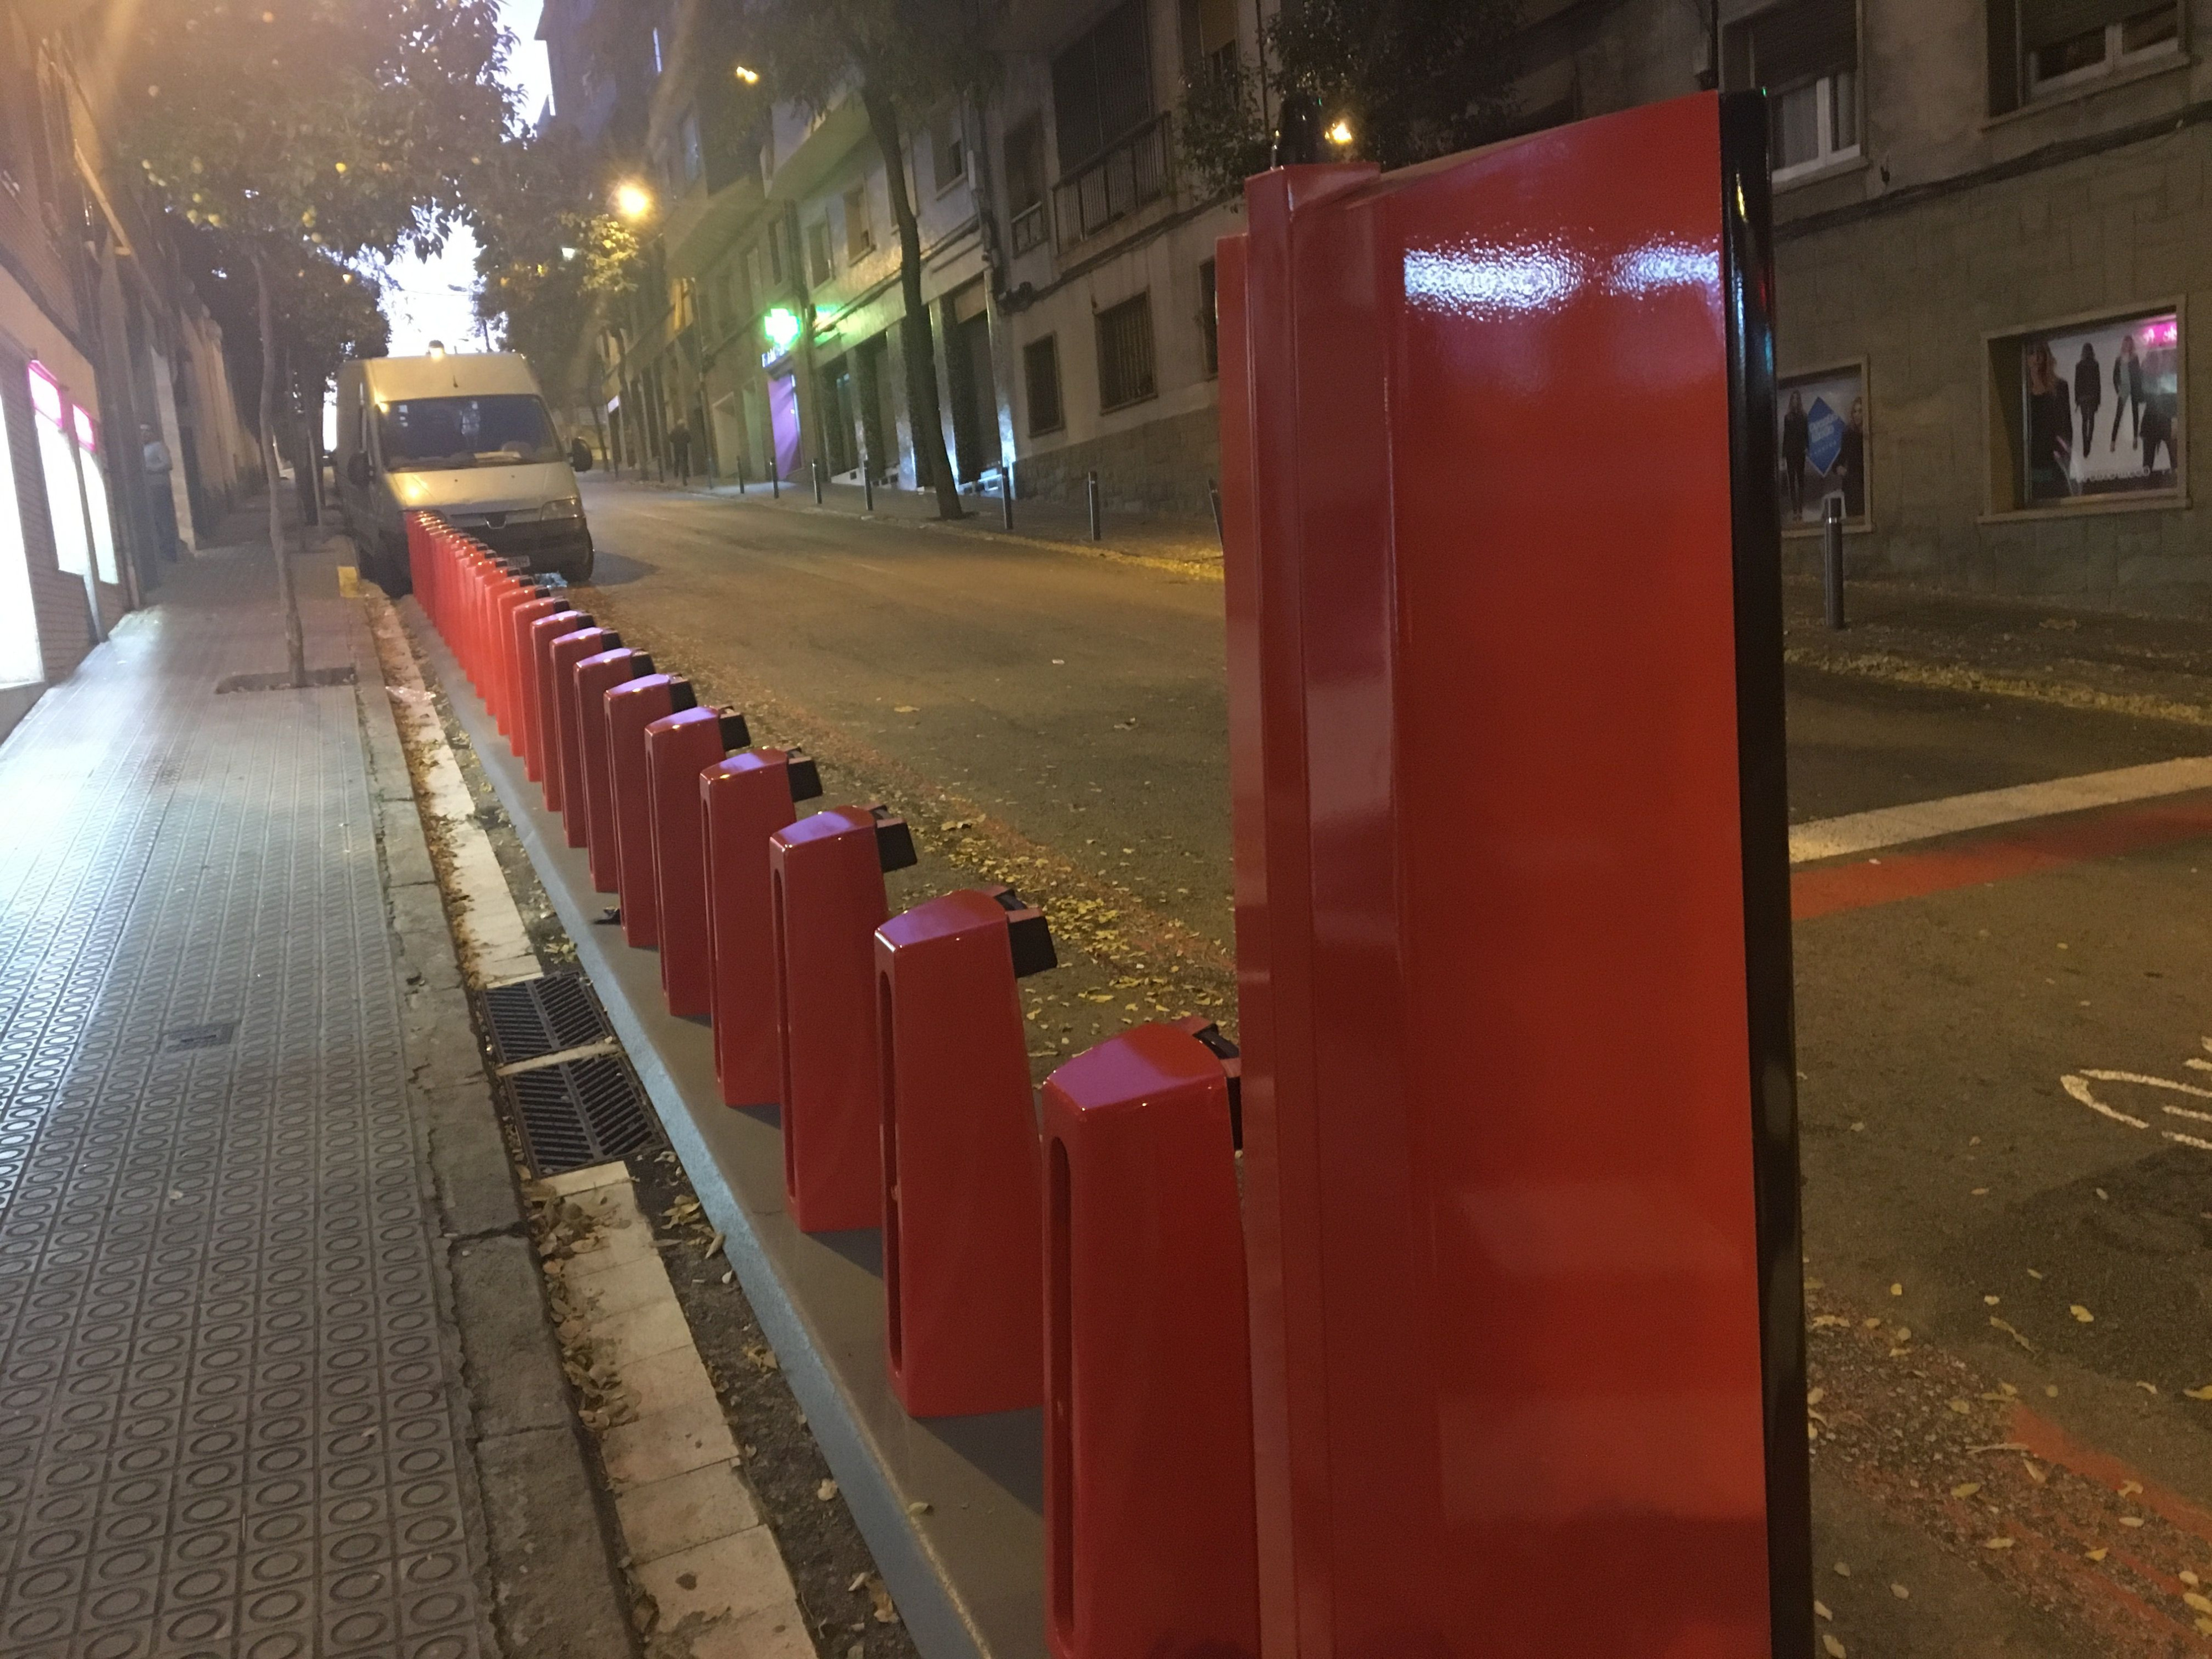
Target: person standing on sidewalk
679,450
154,459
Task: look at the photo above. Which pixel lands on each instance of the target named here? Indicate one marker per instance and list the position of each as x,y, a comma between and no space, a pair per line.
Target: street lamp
1341,134
633,200
749,76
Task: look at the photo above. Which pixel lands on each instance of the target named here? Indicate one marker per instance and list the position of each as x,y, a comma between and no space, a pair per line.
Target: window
1125,354
1209,40
687,138
1025,186
859,234
1209,328
776,232
1101,86
2064,43
948,148
1040,375
1806,55
817,252
2098,411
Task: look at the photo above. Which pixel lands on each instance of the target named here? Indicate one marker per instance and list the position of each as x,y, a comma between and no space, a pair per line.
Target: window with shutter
1101,86
2064,42
1806,55
1125,354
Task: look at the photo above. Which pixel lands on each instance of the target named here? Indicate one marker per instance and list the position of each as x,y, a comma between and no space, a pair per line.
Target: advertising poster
1823,445
2102,406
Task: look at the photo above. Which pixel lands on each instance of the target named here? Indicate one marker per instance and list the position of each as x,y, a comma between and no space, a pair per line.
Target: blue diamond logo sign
1824,432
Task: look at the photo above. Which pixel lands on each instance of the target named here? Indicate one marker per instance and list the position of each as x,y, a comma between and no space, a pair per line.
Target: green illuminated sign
781,326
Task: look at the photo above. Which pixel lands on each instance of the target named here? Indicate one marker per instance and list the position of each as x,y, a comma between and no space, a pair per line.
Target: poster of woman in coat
2102,409
1823,445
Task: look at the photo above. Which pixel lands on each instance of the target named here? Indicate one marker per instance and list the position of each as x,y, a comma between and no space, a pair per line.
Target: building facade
99,336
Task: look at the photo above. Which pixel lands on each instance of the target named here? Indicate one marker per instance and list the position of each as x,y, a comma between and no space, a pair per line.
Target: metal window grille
1125,353
1132,174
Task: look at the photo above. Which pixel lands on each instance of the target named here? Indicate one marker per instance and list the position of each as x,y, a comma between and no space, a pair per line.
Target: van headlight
570,507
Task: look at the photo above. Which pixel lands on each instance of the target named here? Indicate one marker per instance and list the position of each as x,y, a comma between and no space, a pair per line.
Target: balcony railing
1132,174
1029,228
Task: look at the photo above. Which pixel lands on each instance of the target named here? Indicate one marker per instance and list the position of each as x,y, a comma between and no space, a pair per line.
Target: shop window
1125,354
948,148
1025,194
58,466
859,234
1209,319
1821,428
1806,56
1041,379
2087,411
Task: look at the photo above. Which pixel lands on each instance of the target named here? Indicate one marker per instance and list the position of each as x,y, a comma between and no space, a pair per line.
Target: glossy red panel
538,721
564,751
1148,1403
961,1206
826,897
591,804
631,708
743,802
678,749
1486,615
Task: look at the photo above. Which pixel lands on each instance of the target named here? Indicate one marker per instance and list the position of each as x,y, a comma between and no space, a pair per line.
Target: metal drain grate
215,1036
579,1113
549,1015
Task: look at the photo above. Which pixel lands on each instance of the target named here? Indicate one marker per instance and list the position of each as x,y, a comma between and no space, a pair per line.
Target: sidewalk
1171,538
239,1410
2152,667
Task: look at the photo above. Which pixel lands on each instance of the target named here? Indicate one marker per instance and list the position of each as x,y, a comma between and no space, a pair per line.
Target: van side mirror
579,456
358,471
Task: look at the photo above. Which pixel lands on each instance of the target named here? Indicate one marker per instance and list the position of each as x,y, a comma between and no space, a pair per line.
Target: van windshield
423,434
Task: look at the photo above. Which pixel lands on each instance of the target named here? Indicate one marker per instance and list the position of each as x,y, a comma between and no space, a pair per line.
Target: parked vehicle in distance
465,434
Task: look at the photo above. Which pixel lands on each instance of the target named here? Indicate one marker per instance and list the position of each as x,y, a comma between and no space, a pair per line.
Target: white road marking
2077,1085
1894,826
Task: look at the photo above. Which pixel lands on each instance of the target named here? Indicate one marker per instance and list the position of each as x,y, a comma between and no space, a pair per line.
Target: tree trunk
921,355
295,648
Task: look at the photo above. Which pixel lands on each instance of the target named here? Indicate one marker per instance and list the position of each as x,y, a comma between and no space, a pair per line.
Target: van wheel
392,573
578,571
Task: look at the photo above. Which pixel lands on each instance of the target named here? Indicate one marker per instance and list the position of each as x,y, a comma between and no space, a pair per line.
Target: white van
465,433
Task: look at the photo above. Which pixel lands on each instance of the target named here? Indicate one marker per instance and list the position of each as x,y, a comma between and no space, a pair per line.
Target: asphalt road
2009,1280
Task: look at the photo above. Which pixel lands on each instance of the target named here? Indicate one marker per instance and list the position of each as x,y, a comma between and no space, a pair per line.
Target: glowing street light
1341,134
632,200
749,76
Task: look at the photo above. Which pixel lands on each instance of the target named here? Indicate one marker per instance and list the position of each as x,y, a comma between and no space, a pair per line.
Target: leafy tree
294,127
1412,80
550,256
902,59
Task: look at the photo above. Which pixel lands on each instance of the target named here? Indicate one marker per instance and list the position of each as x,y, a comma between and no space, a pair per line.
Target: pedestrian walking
679,450
2127,395
154,460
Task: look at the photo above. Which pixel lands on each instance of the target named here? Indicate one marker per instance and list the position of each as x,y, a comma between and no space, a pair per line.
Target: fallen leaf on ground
1842,1569
826,1491
2204,1393
2099,1553
906,708
1900,1592
2082,1315
2132,1520
2195,1602
1835,1649
1965,1489
2129,1488
1996,1543
1821,1609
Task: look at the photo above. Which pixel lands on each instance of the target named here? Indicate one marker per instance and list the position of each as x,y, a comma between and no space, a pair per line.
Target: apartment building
1991,231
98,333
1066,264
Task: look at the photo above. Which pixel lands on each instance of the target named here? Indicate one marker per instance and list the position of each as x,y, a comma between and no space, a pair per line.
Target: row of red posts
1091,1263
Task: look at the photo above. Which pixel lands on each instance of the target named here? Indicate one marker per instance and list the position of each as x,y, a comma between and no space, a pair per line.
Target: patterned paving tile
226,1406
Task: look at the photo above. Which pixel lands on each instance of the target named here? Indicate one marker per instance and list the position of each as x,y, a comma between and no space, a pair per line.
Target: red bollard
591,799
510,600
826,900
963,1266
678,749
743,802
520,657
536,706
562,778
630,709
1151,1545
